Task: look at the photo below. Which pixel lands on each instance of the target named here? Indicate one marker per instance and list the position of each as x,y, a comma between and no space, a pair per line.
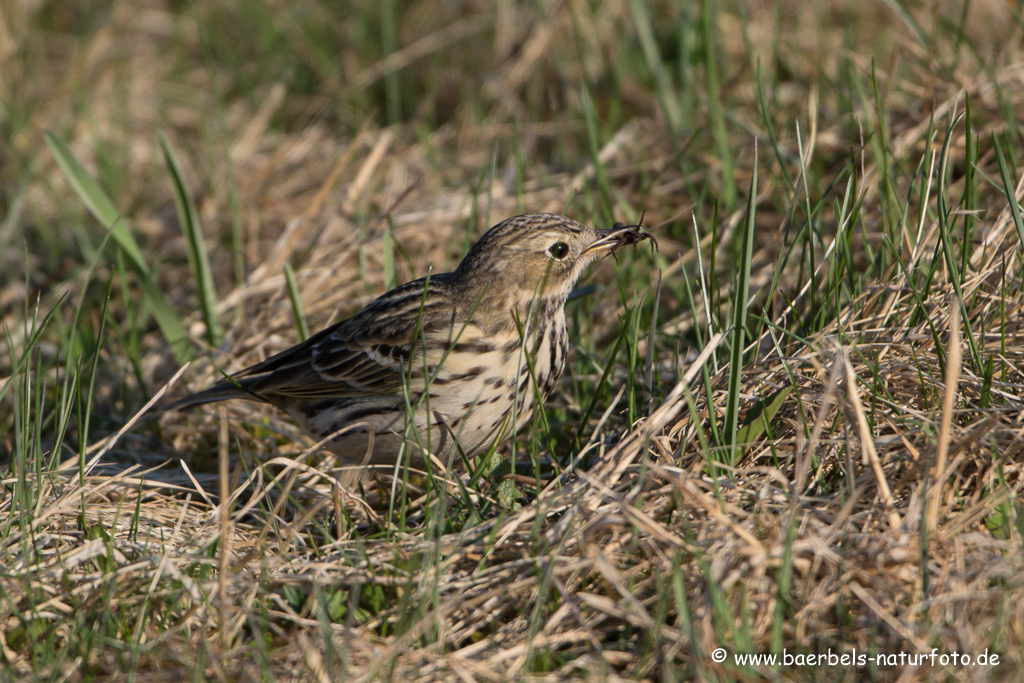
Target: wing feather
360,357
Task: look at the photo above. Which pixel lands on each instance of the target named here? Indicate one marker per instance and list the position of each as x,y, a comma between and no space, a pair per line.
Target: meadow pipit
441,358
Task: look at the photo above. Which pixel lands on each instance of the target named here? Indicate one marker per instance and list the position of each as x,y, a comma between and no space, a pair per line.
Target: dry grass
877,508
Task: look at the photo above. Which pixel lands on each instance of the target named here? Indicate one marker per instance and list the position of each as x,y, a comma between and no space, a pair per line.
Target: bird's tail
221,391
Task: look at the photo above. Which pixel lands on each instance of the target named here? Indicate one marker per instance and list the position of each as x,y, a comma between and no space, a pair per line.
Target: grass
794,430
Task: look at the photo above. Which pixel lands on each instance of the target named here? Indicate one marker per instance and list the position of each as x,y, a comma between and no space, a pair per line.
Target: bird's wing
366,355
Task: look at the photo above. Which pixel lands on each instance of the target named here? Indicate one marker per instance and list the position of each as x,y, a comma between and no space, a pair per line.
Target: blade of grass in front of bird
540,421
410,431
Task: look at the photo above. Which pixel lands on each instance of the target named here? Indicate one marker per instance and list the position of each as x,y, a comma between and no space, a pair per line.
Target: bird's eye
559,250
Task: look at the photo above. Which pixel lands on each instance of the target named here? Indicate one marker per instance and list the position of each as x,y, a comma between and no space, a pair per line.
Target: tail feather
221,391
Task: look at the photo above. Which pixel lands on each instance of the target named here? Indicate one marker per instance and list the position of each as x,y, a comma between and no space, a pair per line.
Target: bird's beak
606,241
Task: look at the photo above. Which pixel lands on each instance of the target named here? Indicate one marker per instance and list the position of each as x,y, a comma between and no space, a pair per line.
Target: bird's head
535,256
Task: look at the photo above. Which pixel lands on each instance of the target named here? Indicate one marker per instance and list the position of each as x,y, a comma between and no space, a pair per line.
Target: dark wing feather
359,357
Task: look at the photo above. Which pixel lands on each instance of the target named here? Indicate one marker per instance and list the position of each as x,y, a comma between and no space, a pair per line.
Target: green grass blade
770,129
956,277
1008,187
739,325
759,416
103,209
716,111
96,200
606,211
19,363
197,258
301,327
578,438
667,95
388,248
911,23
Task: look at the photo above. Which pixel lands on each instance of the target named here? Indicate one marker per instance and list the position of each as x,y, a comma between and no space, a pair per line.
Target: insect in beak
620,235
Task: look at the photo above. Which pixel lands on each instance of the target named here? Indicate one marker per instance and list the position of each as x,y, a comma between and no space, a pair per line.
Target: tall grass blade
19,363
667,95
593,138
388,248
1008,188
197,258
739,323
716,112
946,239
103,209
301,327
911,23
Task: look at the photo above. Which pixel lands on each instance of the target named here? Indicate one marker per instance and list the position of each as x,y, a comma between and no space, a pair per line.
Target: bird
447,362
